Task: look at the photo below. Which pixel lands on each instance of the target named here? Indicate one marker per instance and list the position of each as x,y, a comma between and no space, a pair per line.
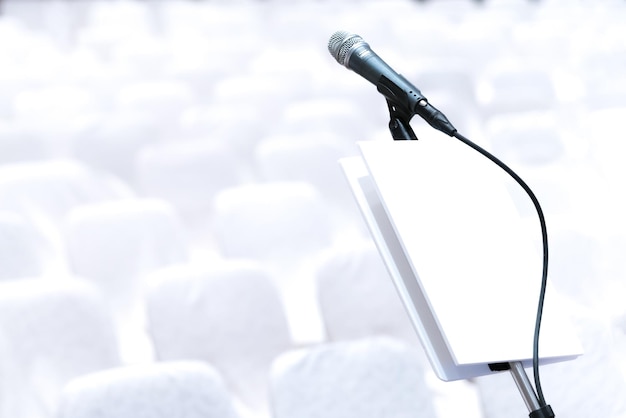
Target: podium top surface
477,264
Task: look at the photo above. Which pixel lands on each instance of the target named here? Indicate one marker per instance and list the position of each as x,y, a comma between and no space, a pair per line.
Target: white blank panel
476,266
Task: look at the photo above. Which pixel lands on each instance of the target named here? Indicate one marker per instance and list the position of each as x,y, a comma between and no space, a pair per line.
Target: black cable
544,275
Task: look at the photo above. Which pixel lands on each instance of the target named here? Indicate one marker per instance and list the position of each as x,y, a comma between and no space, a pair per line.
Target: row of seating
176,236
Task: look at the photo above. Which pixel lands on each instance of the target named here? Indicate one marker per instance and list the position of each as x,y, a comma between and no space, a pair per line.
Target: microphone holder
399,123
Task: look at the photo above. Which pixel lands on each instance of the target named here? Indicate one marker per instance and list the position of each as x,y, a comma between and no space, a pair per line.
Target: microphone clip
406,102
399,123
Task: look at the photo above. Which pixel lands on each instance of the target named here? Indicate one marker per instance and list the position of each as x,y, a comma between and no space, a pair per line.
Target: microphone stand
525,388
401,131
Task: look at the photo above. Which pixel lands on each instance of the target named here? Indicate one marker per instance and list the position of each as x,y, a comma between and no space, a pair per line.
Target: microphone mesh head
340,44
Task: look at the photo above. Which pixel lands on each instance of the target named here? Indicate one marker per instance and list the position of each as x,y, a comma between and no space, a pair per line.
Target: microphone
351,51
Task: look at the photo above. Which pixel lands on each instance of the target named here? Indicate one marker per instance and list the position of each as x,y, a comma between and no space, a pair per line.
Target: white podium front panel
467,271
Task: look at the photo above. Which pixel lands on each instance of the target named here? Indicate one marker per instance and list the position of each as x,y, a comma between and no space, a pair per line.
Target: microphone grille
340,44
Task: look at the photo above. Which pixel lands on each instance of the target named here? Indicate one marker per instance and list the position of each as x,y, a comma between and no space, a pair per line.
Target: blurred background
176,236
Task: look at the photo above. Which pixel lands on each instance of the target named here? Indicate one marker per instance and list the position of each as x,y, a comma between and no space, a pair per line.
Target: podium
467,267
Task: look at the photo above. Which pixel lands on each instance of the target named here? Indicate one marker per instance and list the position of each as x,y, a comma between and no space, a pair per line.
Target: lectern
465,263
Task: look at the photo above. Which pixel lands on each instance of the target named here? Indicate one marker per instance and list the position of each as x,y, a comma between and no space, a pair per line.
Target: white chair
357,296
611,269
60,108
54,97
575,262
165,99
228,314
313,157
154,390
454,79
18,143
371,378
12,79
510,88
529,138
113,140
365,109
51,330
270,93
188,174
240,125
274,220
113,245
48,190
601,127
619,325
23,249
358,300
298,67
44,192
285,225
192,62
599,72
346,117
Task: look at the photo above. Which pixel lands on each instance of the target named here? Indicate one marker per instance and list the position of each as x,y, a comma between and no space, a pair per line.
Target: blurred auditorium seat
611,269
163,99
23,249
310,157
114,245
62,110
12,79
619,339
240,126
527,138
507,87
112,141
284,225
602,128
191,62
227,313
452,77
19,144
358,298
369,378
292,59
48,190
601,71
577,280
313,157
155,390
345,117
53,329
188,174
270,94
143,54
281,221
54,100
105,26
